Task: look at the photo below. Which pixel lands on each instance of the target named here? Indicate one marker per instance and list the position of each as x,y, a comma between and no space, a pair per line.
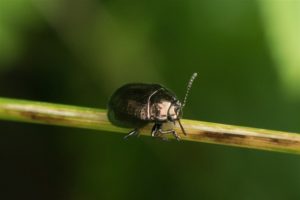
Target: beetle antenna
183,131
188,89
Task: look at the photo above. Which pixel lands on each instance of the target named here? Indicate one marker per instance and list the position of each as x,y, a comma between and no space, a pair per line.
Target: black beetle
136,104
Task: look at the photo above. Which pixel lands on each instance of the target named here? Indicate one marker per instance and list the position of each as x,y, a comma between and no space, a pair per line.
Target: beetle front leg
155,129
158,132
170,131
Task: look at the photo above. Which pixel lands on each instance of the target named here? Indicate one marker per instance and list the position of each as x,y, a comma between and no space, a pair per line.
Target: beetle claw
176,135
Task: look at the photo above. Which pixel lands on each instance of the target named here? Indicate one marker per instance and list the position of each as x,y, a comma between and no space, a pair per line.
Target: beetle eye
178,111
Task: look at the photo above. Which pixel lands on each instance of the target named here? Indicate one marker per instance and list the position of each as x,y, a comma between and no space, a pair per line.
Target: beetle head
174,112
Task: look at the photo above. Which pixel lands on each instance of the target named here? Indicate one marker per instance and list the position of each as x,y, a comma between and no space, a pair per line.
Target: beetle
134,105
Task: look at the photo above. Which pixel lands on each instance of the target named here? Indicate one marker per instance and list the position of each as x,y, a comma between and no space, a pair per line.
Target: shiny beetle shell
136,104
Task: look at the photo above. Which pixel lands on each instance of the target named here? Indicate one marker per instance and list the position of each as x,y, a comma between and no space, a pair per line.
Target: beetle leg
176,135
132,133
155,129
170,131
158,132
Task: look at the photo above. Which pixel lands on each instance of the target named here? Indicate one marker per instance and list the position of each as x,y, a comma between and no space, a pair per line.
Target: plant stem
198,131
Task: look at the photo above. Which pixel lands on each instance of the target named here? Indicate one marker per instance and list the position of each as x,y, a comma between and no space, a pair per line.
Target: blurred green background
79,51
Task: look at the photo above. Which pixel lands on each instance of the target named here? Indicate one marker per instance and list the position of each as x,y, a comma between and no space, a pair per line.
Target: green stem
198,131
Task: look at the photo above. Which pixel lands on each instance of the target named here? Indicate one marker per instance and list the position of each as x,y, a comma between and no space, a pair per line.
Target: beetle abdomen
128,105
